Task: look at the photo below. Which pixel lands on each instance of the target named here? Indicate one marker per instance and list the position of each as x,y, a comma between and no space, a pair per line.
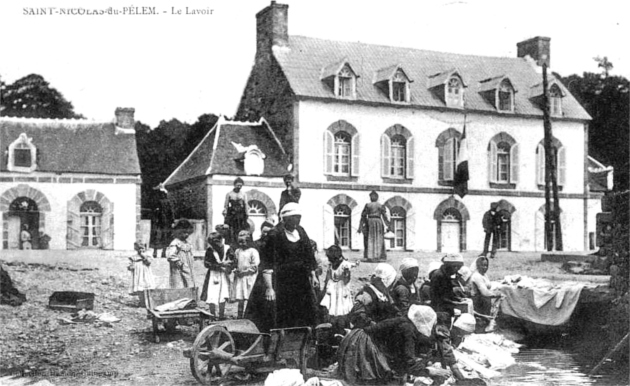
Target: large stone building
356,117
76,181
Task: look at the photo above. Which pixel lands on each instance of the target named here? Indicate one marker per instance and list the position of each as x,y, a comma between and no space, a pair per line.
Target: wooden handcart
157,297
237,343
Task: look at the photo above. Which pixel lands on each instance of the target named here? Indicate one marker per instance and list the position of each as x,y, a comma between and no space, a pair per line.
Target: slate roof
303,63
73,146
216,154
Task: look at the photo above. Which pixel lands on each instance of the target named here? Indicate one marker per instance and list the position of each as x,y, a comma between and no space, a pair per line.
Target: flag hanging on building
460,183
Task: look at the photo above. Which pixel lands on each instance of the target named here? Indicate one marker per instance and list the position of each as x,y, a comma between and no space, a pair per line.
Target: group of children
232,273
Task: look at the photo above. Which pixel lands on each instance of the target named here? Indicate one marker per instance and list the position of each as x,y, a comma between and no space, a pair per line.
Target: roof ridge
76,121
407,48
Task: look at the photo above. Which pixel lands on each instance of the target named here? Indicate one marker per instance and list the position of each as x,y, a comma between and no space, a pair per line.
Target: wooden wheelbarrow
158,297
223,345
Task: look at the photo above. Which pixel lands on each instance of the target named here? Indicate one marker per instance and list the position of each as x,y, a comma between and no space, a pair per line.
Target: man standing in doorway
491,226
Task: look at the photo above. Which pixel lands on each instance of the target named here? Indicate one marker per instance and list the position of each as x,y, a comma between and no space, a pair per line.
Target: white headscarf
423,317
408,262
290,209
386,273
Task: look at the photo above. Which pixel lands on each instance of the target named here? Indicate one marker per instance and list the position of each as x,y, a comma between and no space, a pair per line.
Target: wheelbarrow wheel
209,361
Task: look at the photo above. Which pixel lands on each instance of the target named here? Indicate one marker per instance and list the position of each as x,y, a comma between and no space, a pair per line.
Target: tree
606,99
604,64
32,97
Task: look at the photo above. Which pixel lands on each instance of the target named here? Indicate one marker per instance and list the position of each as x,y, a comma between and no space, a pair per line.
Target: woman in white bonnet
376,353
373,302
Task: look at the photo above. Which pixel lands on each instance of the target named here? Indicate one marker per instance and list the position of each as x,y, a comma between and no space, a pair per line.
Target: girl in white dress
219,260
246,270
140,267
337,297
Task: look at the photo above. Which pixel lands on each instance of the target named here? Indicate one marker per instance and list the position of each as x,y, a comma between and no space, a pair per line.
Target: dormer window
454,92
22,155
346,83
399,87
505,97
499,92
394,83
341,79
449,87
555,100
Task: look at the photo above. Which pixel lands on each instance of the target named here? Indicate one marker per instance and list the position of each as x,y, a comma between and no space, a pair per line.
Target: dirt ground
34,343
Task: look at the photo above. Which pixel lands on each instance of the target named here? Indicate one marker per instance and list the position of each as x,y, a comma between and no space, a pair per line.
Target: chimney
537,48
272,28
124,117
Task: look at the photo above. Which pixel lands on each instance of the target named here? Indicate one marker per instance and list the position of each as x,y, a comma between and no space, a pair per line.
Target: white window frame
505,87
454,92
22,143
345,83
344,231
92,222
398,225
512,162
341,142
399,79
555,100
387,157
398,157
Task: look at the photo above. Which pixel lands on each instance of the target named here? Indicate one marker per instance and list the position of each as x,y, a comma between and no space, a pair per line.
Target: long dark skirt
360,360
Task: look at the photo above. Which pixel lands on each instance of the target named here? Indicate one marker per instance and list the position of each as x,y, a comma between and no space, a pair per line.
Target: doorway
23,215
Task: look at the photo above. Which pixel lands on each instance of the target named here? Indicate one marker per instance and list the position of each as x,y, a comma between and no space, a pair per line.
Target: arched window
342,225
448,147
341,150
454,92
398,226
341,159
91,213
346,83
398,160
503,164
397,153
257,213
560,161
505,231
555,100
505,96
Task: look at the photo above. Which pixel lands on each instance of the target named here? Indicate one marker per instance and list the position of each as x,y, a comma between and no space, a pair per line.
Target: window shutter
540,165
448,159
441,162
355,150
514,165
385,155
73,235
328,152
107,227
410,157
492,162
328,225
410,230
562,166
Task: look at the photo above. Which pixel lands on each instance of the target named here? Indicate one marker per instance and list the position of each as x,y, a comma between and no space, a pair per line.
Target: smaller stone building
250,150
75,181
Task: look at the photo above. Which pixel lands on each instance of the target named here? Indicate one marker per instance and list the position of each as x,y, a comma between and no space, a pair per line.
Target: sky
181,66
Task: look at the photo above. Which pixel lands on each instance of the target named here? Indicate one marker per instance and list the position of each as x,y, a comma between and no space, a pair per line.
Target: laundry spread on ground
538,300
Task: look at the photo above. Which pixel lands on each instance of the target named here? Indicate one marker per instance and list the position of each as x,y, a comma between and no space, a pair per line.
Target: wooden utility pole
552,213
